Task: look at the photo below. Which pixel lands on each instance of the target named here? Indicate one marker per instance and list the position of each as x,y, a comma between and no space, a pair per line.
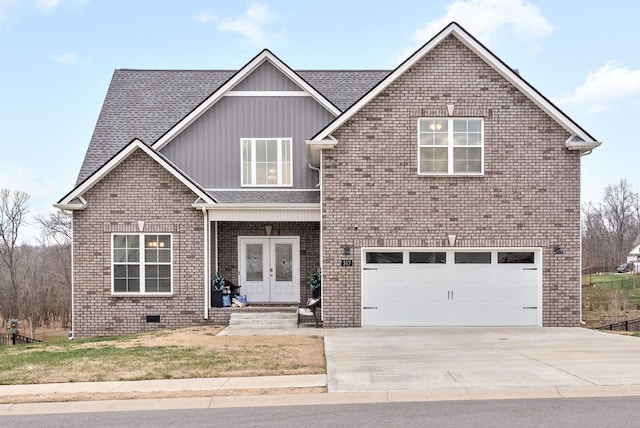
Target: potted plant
315,284
217,285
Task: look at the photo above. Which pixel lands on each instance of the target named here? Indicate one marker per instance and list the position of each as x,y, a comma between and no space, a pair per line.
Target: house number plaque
346,263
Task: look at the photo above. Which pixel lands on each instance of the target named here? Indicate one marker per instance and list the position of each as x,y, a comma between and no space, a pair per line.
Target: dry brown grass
179,354
163,355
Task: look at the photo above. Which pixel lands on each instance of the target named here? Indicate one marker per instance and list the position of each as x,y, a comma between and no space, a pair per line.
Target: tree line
35,280
611,228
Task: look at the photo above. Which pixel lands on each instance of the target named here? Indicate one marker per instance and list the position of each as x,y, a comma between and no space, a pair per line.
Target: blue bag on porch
242,298
226,300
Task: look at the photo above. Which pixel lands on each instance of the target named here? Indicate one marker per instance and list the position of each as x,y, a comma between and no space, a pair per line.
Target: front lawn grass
140,357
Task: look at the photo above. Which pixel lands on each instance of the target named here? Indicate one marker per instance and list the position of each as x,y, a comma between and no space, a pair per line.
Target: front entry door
270,269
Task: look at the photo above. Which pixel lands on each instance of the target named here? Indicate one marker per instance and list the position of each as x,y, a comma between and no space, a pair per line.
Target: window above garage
450,146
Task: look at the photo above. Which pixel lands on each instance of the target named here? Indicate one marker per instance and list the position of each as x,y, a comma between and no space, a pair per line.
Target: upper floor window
266,162
450,146
141,263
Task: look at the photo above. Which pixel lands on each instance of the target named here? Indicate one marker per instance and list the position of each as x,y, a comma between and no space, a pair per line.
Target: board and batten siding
209,150
266,78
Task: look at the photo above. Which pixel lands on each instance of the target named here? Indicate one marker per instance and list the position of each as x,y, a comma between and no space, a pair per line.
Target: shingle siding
529,195
138,189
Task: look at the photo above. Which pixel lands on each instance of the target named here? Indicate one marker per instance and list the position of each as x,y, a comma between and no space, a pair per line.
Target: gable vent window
142,264
266,162
450,146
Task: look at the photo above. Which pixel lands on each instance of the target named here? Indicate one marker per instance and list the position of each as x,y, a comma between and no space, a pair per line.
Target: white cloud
608,83
46,4
5,5
66,58
49,5
251,24
490,19
205,17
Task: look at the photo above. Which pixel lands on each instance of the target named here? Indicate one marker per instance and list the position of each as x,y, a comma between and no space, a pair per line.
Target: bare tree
56,227
13,211
56,239
596,242
619,212
610,228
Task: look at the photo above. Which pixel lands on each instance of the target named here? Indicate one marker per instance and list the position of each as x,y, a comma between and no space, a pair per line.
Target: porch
271,262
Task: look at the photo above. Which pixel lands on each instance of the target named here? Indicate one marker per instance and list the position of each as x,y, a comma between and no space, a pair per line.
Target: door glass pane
384,257
253,261
284,257
516,257
473,257
427,257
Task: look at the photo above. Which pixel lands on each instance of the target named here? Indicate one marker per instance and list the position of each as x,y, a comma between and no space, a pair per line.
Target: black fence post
13,338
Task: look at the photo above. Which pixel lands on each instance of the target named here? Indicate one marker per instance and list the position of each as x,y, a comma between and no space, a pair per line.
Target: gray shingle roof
274,197
145,104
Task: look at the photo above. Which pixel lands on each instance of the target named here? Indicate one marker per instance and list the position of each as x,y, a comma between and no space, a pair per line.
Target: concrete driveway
561,361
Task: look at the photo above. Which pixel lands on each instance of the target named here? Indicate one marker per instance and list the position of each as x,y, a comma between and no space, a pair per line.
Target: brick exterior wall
136,190
529,195
141,190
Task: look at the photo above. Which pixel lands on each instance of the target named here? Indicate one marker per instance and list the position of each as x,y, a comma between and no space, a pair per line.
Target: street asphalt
368,365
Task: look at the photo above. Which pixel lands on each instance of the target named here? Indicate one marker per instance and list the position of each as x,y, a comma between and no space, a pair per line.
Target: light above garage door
445,287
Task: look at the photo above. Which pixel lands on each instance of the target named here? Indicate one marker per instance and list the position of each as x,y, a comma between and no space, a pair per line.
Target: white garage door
462,287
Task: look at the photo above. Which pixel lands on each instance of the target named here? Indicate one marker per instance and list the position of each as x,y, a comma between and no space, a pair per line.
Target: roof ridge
207,70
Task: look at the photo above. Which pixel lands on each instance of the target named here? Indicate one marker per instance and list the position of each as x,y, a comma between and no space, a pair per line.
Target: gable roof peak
513,77
239,76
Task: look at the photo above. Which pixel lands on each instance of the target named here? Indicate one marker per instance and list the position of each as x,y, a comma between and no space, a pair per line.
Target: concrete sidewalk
168,385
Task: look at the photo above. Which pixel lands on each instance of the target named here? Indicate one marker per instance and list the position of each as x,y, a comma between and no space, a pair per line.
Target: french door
270,269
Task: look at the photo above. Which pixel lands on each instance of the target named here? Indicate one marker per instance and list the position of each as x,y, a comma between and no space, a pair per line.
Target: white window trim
450,148
141,263
253,162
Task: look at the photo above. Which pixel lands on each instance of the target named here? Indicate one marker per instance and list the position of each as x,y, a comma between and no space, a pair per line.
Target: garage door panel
451,294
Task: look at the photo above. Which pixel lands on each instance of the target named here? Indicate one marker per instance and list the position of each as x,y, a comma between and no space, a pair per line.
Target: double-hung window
266,162
448,146
142,264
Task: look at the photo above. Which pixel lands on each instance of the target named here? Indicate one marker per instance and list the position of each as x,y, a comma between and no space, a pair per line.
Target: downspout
207,229
73,282
321,265
316,169
588,152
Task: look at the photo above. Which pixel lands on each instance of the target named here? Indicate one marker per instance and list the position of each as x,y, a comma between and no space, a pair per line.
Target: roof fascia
491,59
257,206
116,160
314,150
223,90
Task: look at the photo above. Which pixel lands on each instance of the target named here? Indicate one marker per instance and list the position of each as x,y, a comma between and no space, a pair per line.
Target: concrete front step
247,319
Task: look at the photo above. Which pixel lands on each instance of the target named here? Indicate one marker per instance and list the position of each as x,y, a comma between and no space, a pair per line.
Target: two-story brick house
444,192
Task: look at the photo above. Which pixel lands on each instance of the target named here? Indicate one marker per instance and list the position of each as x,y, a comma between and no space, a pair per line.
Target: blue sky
57,58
